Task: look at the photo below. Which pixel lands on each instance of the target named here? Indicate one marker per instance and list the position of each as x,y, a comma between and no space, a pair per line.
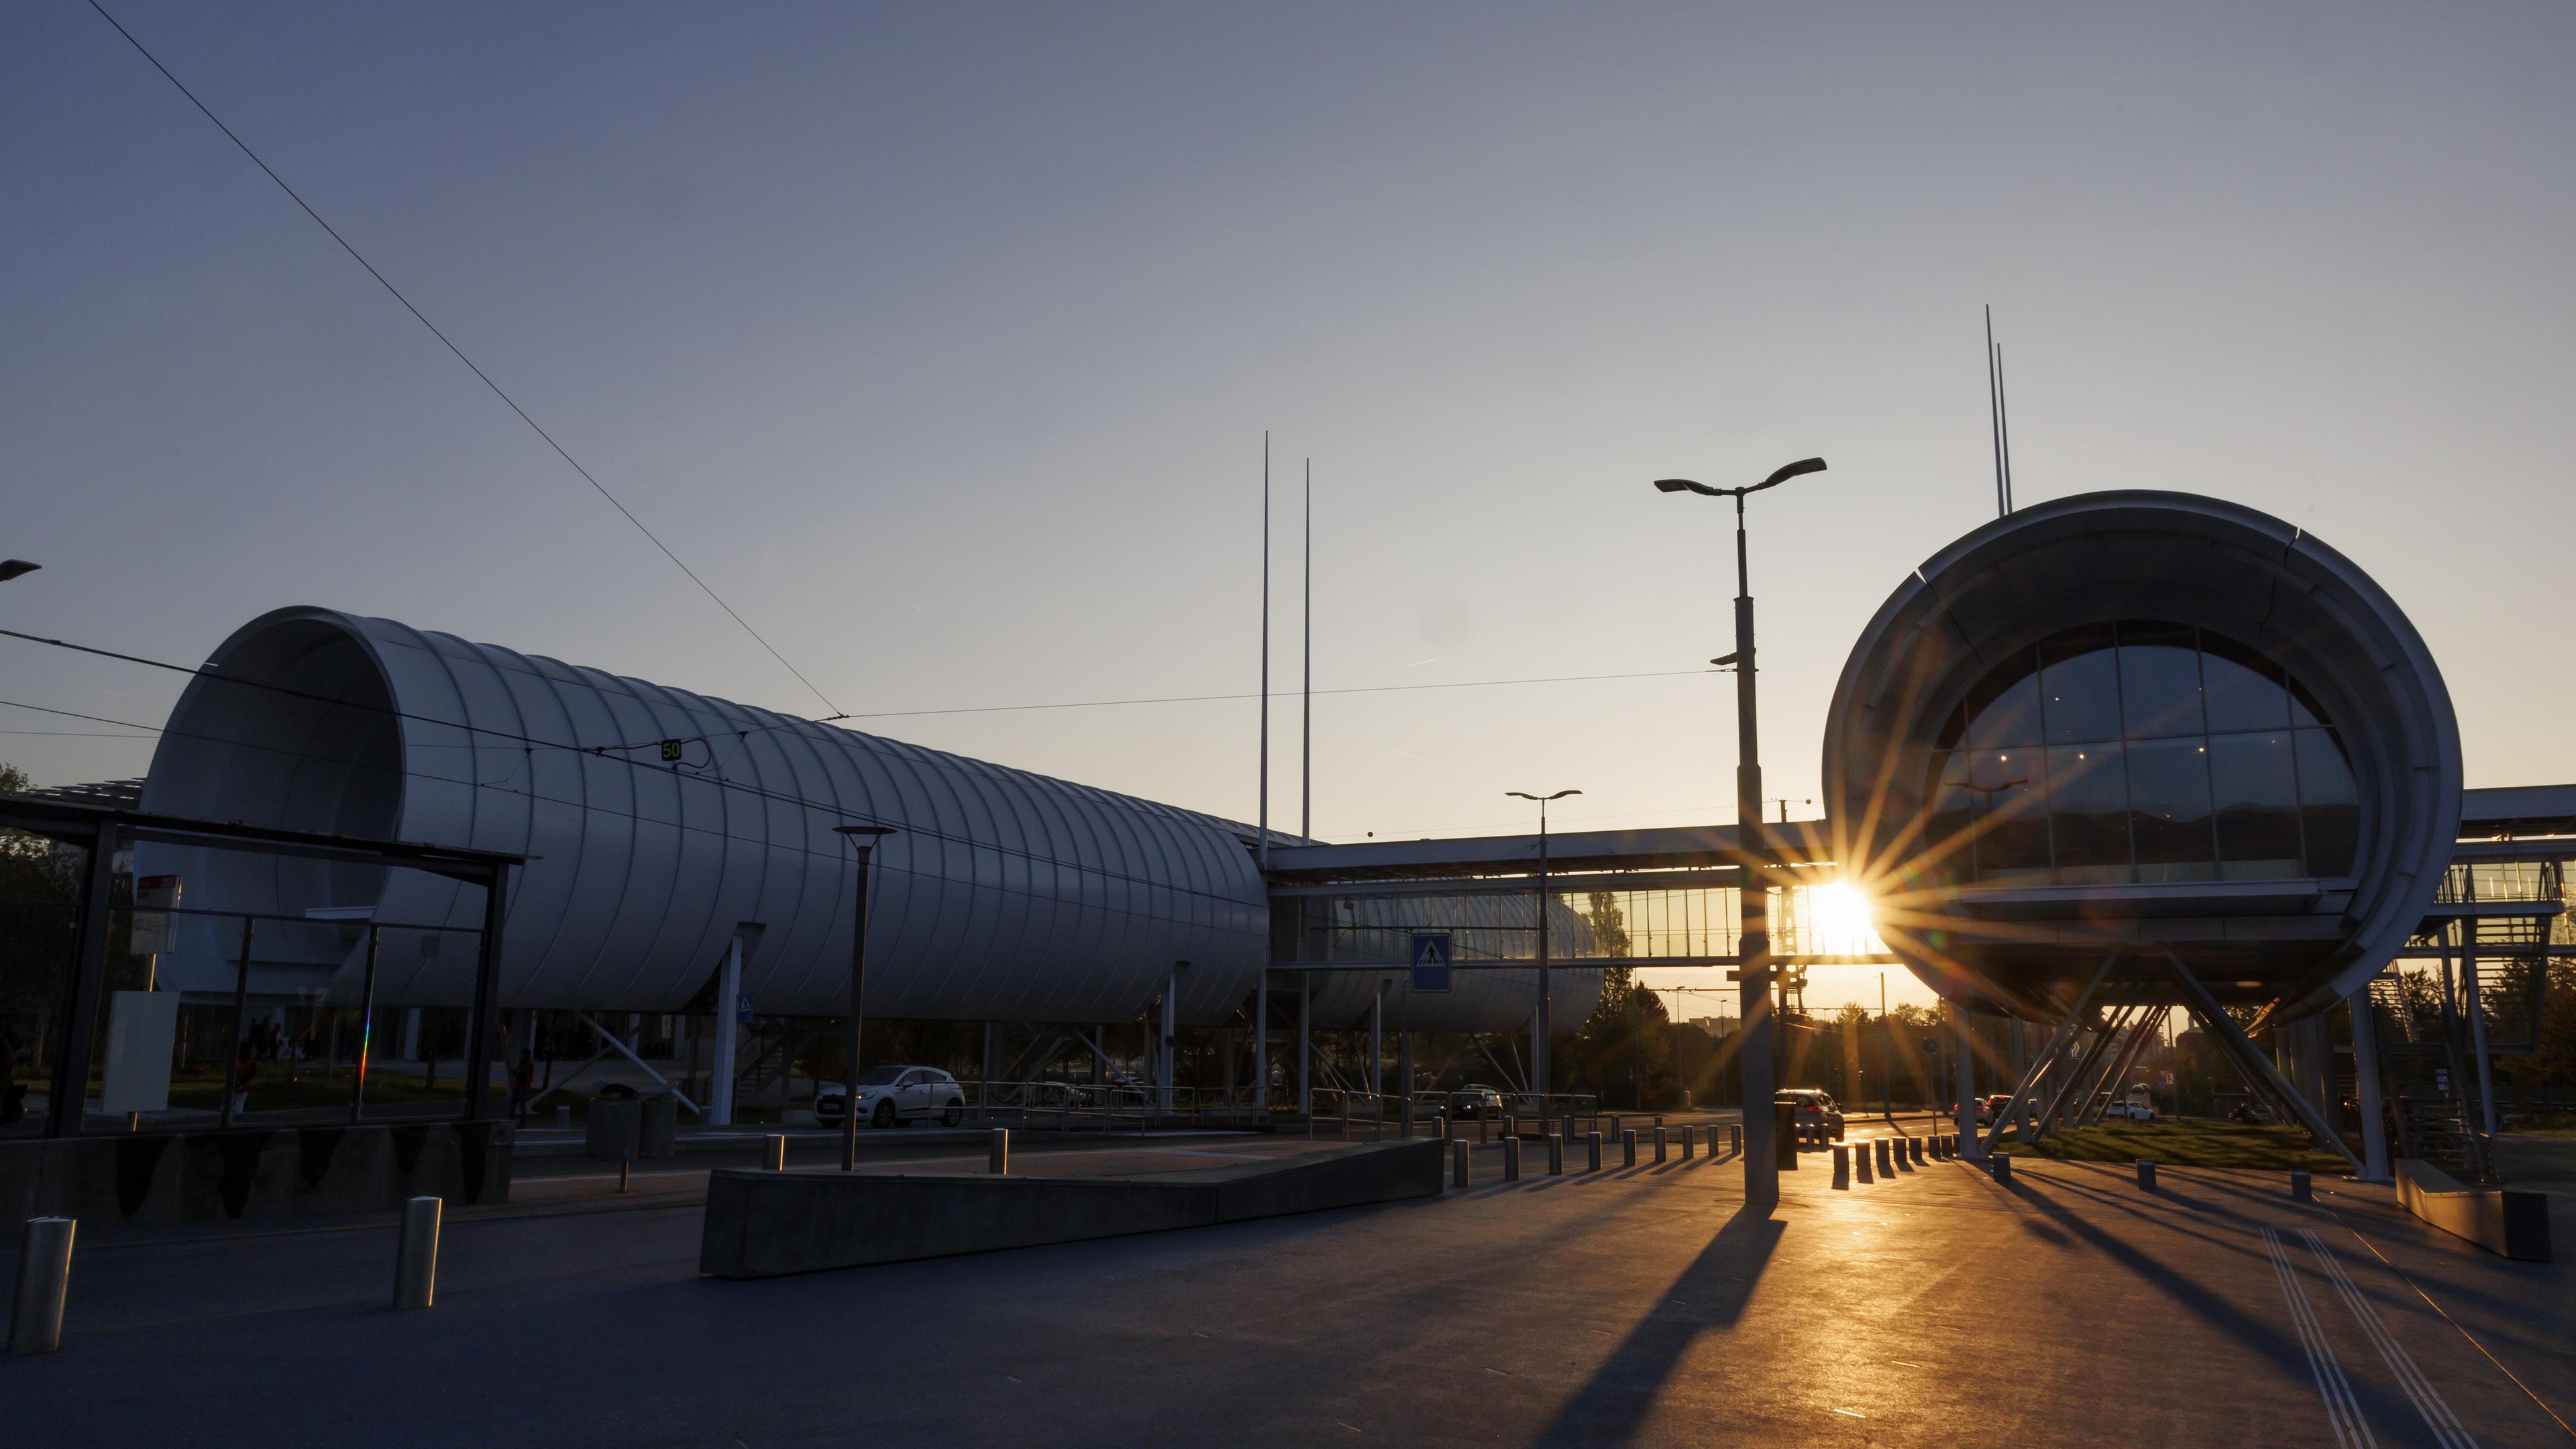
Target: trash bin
615,1129
659,1133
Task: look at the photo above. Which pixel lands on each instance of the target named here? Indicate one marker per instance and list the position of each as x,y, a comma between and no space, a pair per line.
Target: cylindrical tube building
658,826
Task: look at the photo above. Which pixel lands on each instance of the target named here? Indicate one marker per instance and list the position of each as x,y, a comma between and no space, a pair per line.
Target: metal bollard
1569,1125
44,1280
1842,1166
563,1118
2300,1189
1914,1149
1690,1142
1659,1144
997,1158
2146,1174
1906,1147
2001,1166
1860,1162
1511,1124
416,1254
1628,1147
773,1152
1458,1163
1555,1154
1511,1159
1592,1151
1734,1140
1615,1129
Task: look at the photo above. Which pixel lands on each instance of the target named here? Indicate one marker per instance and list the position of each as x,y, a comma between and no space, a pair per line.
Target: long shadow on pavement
2174,1283
1714,1288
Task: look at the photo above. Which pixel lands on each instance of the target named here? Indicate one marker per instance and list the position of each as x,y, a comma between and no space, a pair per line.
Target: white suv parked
892,1096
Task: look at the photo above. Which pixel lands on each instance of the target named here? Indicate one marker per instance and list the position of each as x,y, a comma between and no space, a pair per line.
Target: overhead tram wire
450,345
530,742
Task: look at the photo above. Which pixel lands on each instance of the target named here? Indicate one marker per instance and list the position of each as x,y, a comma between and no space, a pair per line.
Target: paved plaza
1636,1305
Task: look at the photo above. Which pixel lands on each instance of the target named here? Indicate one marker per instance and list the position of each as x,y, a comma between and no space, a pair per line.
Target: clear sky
941,339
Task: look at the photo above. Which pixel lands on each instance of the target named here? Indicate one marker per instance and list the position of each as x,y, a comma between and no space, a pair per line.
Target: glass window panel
1949,847
2159,681
2244,690
2088,807
2012,815
2255,789
2303,708
2004,708
2079,685
2329,804
2169,810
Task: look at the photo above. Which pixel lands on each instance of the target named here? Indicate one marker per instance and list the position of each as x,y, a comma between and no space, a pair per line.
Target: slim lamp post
863,839
1761,1169
1540,1071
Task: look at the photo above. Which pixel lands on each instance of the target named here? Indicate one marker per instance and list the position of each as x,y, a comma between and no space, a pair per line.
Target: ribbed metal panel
1006,895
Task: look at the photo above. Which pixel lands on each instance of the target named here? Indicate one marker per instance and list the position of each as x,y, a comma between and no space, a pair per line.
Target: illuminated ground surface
1633,1306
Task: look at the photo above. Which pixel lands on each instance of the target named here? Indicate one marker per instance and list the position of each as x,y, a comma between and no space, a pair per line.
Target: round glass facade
2139,752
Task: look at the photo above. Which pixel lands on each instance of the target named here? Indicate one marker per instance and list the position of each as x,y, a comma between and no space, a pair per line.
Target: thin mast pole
1994,413
1265,650
2003,428
1306,727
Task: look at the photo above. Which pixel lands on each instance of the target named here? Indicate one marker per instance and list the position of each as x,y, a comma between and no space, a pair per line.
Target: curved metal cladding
1483,927
1005,895
2107,594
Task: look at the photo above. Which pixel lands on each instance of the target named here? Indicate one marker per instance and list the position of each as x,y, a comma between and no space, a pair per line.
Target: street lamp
1546,1006
1761,1161
862,838
10,568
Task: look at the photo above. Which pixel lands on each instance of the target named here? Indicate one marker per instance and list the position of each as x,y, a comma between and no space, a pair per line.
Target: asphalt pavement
1631,1306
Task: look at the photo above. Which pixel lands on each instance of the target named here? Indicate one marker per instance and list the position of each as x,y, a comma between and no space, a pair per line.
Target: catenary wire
479,373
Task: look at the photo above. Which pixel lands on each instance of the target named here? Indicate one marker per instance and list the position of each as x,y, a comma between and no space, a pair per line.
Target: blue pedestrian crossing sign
1431,960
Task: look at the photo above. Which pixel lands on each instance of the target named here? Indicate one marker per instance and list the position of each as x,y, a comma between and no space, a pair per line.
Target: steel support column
2472,998
2365,1078
1261,1043
1305,1044
729,1033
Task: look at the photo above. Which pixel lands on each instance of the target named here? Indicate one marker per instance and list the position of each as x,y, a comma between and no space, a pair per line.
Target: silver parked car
892,1096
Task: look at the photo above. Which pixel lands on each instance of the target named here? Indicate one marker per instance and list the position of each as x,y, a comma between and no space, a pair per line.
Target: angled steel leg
2076,1090
2141,1031
2056,1043
2251,1061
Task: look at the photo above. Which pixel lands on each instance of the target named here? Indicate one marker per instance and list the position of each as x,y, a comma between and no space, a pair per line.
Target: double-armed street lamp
1754,1048
862,838
1546,1007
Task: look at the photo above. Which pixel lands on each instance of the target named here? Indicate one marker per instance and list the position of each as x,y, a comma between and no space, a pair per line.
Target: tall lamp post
1761,1162
1539,1052
863,839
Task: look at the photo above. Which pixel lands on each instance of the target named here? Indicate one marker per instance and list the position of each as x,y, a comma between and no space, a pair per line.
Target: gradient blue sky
941,340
